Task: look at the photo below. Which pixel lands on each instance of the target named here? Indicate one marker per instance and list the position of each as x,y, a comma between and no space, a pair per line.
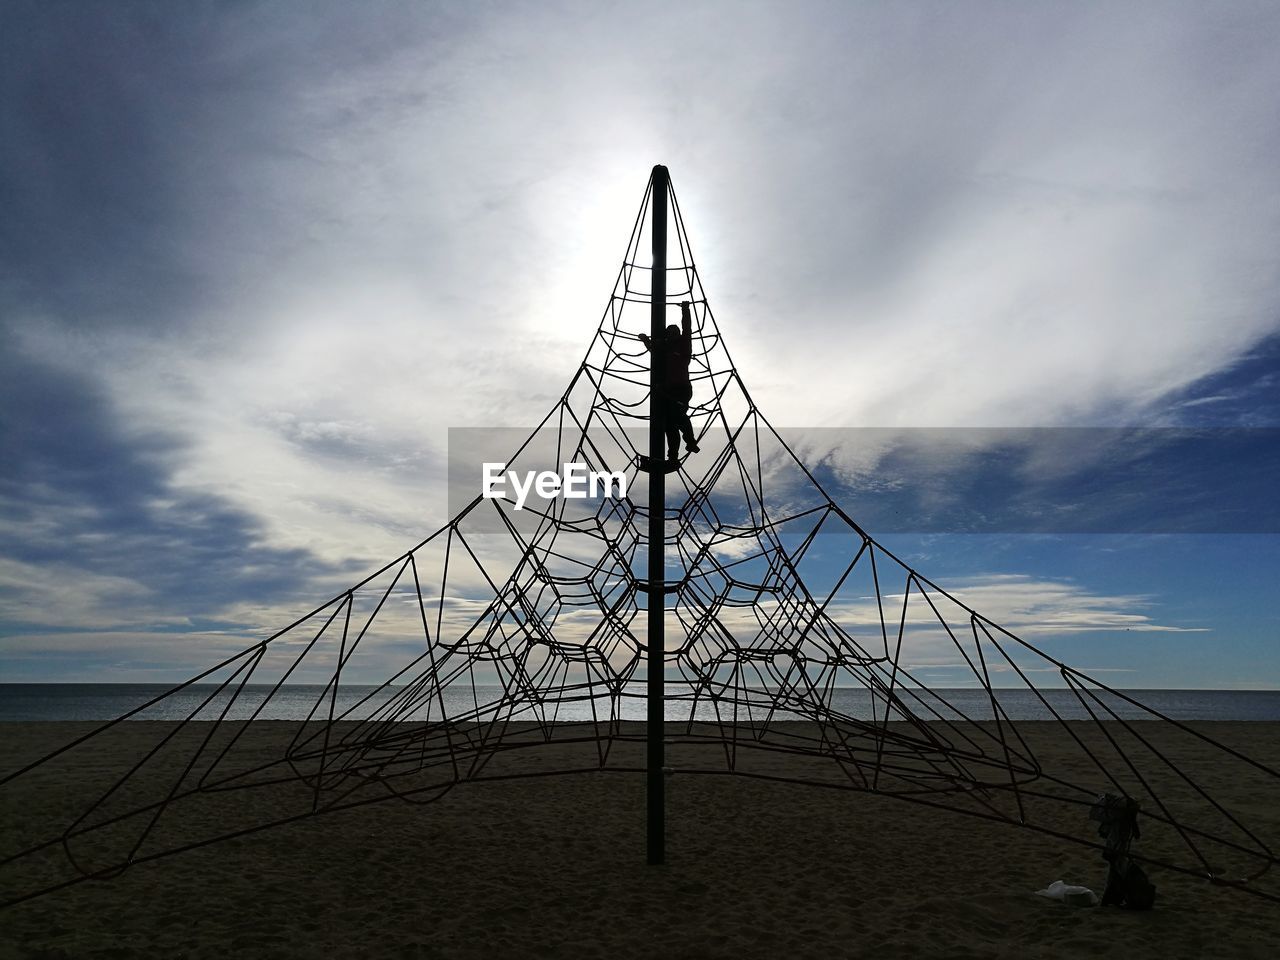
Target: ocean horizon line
303,701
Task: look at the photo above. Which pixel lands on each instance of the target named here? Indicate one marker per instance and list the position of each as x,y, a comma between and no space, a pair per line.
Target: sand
555,867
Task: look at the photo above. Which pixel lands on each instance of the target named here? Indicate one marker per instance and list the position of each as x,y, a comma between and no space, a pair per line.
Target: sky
256,260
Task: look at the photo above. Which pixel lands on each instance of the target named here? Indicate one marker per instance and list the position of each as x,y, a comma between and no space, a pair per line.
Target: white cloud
1066,224
903,217
64,595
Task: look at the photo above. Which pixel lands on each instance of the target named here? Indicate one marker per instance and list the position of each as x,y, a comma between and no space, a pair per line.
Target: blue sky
256,259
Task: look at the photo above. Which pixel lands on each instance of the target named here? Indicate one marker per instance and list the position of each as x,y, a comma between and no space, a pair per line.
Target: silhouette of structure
759,630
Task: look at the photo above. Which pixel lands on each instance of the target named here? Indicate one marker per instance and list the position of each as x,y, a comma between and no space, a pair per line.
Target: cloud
97,533
1032,607
256,264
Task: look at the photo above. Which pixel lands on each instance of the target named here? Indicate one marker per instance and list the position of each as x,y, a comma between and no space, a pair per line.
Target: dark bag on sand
1139,892
1129,889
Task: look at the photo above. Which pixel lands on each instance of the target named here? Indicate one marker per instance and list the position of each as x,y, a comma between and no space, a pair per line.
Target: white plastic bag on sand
1076,896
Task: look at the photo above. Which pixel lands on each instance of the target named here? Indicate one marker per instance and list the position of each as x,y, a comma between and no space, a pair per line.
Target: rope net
511,643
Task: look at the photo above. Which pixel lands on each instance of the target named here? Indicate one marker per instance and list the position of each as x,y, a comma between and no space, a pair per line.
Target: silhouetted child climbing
677,346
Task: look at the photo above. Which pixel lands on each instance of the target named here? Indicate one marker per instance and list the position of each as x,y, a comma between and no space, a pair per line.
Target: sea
108,701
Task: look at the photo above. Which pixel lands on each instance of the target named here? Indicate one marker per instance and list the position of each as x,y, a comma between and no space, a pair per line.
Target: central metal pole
657,514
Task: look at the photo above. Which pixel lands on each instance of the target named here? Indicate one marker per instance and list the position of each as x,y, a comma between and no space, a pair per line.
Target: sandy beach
555,867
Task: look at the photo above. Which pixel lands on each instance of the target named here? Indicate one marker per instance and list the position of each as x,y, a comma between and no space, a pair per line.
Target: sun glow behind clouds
314,247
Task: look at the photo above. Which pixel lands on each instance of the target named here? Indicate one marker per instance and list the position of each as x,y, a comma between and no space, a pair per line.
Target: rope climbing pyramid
519,641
